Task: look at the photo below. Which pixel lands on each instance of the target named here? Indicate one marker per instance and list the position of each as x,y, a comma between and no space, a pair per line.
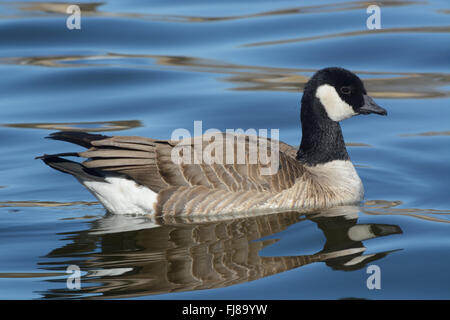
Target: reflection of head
344,248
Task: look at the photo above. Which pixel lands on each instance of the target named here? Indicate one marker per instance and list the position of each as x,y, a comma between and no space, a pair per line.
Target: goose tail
71,167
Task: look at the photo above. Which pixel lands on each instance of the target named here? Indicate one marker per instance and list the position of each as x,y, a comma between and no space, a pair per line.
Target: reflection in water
254,78
426,134
100,126
443,29
56,7
125,256
357,144
382,207
47,204
30,274
91,9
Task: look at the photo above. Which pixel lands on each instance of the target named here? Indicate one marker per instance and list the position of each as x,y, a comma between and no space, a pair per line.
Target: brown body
218,188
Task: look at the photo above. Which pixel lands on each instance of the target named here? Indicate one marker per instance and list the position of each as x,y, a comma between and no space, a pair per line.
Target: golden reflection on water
30,274
365,32
46,204
54,7
383,207
253,78
427,134
98,126
92,9
357,144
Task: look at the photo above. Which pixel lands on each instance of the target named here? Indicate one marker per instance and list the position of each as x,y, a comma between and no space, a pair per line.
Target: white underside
120,195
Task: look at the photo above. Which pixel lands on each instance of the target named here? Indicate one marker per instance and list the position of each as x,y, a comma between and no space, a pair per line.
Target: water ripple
401,85
98,126
441,29
93,9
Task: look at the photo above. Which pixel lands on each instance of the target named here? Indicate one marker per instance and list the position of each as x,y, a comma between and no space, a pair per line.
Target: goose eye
346,90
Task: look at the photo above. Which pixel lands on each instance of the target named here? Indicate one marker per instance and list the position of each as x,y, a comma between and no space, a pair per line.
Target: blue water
149,67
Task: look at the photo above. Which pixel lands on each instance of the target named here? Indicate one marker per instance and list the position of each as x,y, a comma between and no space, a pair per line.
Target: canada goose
138,175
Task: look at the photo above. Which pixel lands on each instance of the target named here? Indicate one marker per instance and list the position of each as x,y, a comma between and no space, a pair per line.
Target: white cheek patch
336,108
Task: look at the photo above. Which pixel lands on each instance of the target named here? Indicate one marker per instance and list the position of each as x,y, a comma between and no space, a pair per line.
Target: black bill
371,107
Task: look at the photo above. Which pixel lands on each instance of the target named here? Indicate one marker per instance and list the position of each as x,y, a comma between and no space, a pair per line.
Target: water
147,68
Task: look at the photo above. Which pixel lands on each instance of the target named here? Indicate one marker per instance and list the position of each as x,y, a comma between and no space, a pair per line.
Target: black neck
322,139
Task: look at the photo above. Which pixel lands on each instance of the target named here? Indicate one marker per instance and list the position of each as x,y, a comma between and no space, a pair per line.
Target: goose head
330,96
340,93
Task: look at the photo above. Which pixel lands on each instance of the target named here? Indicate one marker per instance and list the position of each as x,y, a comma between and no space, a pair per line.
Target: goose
137,175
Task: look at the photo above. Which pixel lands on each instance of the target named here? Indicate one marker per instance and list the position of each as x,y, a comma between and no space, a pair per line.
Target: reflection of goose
194,256
140,175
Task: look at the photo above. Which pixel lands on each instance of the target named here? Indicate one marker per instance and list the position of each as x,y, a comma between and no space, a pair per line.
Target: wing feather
188,187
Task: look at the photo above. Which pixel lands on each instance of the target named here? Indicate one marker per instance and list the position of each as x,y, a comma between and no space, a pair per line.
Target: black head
341,93
331,95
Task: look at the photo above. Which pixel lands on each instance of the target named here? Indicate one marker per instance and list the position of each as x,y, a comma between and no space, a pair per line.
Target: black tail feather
74,168
65,154
80,138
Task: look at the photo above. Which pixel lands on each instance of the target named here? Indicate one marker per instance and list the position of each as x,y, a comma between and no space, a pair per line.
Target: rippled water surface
149,67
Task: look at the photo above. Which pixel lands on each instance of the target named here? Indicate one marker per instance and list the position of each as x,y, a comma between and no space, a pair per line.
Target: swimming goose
139,175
